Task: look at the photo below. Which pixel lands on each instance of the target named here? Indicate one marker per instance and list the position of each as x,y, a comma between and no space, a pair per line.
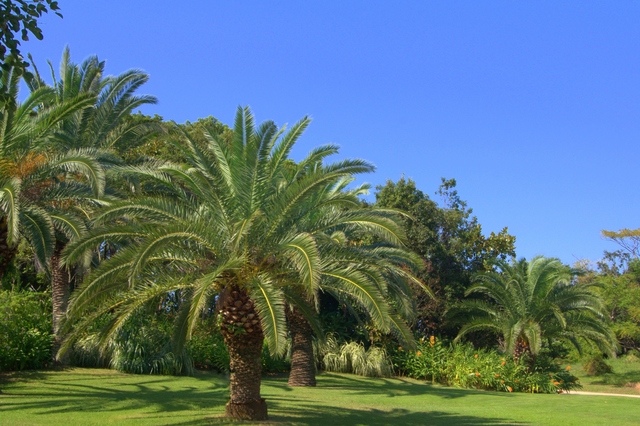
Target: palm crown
527,302
246,224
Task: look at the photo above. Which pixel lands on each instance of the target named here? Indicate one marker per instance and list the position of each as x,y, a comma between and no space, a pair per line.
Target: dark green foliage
464,366
621,296
450,241
207,348
272,364
21,274
143,346
19,17
25,330
595,365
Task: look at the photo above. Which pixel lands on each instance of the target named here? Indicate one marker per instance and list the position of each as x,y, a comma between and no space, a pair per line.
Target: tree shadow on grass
202,401
310,414
110,393
388,387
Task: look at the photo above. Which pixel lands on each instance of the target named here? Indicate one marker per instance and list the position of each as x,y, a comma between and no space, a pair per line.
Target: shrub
352,357
464,366
141,346
595,365
25,330
208,351
207,348
632,357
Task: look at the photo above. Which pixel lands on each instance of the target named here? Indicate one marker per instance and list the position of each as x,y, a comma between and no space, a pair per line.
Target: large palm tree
37,183
240,229
101,131
530,302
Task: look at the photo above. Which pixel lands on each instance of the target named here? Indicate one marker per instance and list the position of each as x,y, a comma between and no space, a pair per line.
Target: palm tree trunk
7,253
243,337
522,347
303,366
60,290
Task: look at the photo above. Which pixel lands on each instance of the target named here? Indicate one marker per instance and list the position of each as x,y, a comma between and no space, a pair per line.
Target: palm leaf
269,303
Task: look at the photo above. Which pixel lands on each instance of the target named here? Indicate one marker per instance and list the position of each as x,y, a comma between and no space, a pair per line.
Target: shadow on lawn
109,393
309,414
159,396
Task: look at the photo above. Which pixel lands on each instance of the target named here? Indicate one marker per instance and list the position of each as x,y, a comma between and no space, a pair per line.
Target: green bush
208,351
352,357
141,346
595,365
207,348
25,330
464,366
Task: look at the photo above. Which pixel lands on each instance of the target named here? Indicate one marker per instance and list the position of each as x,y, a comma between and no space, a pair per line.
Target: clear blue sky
534,107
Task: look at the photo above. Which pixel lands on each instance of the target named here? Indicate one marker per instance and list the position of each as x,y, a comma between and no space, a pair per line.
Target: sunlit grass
91,397
625,378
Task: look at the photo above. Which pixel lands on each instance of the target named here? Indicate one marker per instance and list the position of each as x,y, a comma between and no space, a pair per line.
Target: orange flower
475,356
510,389
497,375
477,374
432,340
568,367
502,381
556,383
418,353
503,362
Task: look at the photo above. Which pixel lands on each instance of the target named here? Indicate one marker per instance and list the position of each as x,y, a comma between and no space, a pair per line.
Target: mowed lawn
92,397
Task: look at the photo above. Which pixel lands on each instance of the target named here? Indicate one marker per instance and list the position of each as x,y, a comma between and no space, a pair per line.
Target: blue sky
533,107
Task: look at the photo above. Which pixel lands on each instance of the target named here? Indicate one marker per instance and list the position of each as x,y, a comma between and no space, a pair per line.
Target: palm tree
36,183
237,228
98,131
528,302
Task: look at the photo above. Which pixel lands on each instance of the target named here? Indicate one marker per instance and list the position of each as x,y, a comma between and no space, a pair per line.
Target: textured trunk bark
243,337
7,253
303,365
521,349
60,290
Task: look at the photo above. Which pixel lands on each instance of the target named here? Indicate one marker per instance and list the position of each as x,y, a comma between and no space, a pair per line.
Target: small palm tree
528,302
238,227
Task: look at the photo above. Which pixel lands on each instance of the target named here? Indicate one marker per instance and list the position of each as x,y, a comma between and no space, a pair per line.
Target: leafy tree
529,302
450,241
241,229
628,239
19,16
621,295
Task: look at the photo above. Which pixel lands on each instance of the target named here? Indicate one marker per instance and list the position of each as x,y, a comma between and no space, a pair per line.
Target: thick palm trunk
243,337
522,348
60,290
7,253
303,367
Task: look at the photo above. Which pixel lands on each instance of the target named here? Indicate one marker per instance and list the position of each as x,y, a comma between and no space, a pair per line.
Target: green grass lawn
625,378
89,396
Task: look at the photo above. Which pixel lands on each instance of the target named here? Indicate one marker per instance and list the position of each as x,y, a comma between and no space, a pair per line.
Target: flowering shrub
464,366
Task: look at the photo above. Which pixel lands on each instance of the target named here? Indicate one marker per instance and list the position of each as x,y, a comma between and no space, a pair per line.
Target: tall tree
450,240
101,131
529,302
19,17
240,229
35,181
